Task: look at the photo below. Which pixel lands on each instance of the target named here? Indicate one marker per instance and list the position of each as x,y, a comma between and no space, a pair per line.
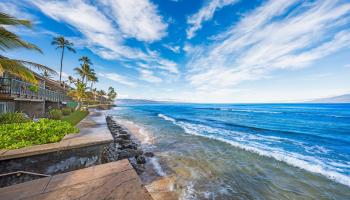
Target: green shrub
66,111
8,118
18,135
55,114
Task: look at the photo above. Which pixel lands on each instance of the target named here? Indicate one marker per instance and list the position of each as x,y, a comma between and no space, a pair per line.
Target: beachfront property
17,95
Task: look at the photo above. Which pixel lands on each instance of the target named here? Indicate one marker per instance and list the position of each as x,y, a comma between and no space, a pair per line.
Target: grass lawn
75,117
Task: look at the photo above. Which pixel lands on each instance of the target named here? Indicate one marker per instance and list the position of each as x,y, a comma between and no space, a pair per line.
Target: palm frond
9,40
38,66
16,69
6,19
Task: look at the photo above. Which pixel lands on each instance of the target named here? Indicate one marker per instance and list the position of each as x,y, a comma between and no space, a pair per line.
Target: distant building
19,96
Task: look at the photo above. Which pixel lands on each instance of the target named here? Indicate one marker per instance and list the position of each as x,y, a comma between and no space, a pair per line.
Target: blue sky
198,51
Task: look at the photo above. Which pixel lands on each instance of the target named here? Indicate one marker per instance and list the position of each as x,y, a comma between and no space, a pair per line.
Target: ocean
248,151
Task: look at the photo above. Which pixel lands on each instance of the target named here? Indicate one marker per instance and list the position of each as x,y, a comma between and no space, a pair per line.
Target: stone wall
52,163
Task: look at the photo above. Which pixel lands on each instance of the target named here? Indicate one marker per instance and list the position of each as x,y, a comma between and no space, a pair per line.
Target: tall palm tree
92,78
84,71
61,43
10,41
85,60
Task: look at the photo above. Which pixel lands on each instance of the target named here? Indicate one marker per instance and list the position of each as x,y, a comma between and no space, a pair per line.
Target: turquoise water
253,151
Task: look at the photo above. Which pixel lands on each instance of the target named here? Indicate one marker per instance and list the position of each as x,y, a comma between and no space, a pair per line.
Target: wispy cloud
137,19
175,49
271,37
148,76
206,13
118,78
106,25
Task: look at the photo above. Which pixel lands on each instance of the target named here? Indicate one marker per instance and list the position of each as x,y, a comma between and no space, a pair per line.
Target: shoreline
137,148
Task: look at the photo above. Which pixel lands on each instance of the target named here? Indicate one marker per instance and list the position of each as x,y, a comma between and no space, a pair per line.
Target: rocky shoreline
125,146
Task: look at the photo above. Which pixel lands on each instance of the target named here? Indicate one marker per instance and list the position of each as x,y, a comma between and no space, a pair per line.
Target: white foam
157,166
308,163
166,117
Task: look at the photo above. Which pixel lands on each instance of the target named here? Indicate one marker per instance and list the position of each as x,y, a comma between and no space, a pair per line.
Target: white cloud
148,76
204,14
102,32
117,78
138,19
268,39
175,49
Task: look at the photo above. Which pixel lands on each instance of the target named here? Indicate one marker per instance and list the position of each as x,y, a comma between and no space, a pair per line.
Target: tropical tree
92,78
46,74
84,70
101,94
79,93
111,94
10,41
61,43
71,80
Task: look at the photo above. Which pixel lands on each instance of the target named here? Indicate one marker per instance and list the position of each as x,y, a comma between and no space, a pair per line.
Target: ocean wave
242,110
157,167
244,141
166,118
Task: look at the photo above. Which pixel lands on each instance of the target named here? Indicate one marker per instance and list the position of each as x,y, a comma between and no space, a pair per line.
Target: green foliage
75,117
66,111
8,118
18,135
55,114
34,88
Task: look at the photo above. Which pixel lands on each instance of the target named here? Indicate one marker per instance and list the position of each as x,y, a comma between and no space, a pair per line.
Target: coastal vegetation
17,130
18,135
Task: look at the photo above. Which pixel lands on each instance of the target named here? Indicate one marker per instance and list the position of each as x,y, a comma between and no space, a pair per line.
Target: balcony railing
19,89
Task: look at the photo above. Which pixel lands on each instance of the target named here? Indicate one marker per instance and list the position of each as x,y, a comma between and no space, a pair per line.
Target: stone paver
116,180
93,131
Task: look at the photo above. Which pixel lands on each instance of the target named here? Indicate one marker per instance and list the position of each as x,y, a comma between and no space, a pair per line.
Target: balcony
25,91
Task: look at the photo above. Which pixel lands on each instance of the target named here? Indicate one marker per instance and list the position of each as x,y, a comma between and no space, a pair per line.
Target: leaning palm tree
10,41
61,43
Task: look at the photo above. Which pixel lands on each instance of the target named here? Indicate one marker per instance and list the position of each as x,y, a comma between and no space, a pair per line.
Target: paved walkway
93,130
115,180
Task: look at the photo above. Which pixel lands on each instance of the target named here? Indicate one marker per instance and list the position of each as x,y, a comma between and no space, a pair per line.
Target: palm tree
111,94
101,94
70,80
46,74
79,93
61,43
10,41
85,71
92,78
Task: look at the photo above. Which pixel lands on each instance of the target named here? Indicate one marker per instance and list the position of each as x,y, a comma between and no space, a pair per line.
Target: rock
149,154
124,132
128,153
122,141
141,159
123,136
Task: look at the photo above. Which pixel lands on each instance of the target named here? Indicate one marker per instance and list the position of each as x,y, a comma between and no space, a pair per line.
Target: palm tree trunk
61,64
91,85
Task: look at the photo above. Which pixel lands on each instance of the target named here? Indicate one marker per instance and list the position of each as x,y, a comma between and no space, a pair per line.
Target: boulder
148,154
141,159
